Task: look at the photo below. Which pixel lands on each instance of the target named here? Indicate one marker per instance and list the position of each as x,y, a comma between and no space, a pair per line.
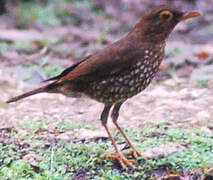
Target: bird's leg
114,115
119,155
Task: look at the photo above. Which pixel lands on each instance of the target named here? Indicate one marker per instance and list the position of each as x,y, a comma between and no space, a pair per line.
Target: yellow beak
190,15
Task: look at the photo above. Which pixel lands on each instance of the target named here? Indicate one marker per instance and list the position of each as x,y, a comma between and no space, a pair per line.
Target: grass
63,160
203,83
53,14
37,13
45,68
45,125
56,159
16,46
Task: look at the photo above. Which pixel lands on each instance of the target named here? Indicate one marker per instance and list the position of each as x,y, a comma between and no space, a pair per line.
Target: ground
49,136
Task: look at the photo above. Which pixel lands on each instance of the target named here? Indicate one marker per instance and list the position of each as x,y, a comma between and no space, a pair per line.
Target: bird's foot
137,154
122,160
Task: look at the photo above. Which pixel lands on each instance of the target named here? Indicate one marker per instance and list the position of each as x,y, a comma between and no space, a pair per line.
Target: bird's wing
68,70
109,61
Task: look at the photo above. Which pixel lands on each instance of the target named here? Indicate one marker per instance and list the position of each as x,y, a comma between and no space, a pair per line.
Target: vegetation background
57,138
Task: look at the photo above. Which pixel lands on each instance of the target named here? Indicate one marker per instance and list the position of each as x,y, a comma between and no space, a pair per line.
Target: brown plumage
121,70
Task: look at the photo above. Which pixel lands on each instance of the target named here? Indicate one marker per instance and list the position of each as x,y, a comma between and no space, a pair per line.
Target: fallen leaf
169,176
202,56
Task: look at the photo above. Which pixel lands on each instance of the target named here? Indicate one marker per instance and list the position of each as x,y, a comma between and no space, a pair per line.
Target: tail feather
36,91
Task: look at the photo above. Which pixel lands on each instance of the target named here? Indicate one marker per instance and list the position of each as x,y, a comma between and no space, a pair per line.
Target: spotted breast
130,82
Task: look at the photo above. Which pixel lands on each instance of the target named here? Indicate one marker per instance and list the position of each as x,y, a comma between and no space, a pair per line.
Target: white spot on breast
120,79
156,64
146,62
147,75
98,87
112,89
147,51
126,81
141,75
132,89
121,90
137,71
131,82
132,73
138,63
138,85
112,80
117,89
148,80
142,67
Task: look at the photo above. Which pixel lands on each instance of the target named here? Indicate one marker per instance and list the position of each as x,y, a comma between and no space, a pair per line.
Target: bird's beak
190,15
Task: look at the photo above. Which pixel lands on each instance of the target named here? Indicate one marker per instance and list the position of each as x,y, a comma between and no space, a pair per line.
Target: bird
119,71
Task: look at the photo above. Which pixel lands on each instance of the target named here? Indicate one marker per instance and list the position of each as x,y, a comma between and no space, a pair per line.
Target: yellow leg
114,116
119,155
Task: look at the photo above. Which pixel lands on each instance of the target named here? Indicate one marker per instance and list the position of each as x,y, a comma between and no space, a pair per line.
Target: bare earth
176,101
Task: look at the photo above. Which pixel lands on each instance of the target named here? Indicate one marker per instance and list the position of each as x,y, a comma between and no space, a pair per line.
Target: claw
124,162
137,154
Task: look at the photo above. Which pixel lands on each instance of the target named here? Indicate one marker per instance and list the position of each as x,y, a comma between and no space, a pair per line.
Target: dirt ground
39,39
176,101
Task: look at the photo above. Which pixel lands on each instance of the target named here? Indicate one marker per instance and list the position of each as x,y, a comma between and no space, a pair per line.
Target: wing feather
107,62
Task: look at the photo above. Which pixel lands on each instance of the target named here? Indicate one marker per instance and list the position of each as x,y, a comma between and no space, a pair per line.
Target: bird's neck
142,33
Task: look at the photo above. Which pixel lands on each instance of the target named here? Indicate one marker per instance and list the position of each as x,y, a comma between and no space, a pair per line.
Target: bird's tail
30,93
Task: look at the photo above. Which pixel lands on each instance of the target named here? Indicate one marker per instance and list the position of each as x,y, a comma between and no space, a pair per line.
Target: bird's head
157,23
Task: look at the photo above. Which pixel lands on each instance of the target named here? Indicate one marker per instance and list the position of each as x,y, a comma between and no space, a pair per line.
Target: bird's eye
166,15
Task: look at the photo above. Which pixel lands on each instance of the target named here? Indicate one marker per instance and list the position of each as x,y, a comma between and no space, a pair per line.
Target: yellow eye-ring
166,15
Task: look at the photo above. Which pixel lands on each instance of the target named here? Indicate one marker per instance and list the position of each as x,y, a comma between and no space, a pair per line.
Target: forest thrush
121,70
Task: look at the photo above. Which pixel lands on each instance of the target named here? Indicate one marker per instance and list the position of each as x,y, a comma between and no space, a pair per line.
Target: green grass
172,53
54,13
45,125
52,70
37,13
203,83
67,125
45,68
63,160
34,125
15,46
